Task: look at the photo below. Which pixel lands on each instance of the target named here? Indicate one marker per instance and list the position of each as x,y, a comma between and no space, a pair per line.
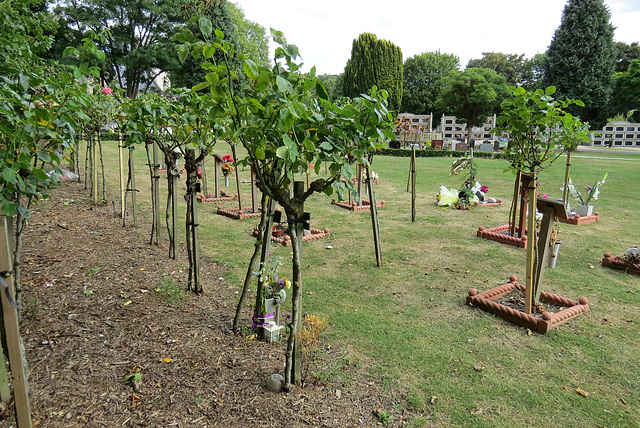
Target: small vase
226,180
584,210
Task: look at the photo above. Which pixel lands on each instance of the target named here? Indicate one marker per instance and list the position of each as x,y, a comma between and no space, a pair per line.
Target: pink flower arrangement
107,91
484,189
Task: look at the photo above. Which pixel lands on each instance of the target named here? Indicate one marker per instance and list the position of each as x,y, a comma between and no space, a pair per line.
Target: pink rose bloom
107,91
545,196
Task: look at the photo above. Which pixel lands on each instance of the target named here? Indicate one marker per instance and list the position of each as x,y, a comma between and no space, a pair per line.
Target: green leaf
260,153
205,26
256,104
283,84
201,85
212,78
250,69
208,51
9,208
135,377
9,176
321,91
281,152
43,156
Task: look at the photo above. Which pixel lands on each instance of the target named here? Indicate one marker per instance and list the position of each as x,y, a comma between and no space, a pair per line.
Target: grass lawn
407,323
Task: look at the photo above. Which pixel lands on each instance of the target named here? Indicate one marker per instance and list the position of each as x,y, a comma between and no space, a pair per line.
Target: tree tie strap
3,275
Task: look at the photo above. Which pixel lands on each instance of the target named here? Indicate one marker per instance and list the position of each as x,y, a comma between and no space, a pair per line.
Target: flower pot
584,210
553,258
277,232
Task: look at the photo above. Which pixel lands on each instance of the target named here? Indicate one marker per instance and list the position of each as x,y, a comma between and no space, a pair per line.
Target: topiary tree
377,63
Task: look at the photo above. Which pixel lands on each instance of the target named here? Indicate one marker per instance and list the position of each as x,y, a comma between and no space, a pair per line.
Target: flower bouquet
585,209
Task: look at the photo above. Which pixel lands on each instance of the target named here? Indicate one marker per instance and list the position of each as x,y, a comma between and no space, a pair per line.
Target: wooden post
566,178
412,176
531,245
217,171
94,172
132,175
359,185
123,184
156,191
254,191
12,328
235,156
374,218
174,209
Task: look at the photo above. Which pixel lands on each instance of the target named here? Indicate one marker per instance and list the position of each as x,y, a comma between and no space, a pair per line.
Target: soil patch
92,315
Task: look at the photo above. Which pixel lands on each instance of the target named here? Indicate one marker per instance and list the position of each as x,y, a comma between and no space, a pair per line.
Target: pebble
275,382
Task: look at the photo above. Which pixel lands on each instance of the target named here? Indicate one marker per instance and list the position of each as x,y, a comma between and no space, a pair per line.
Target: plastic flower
227,158
107,91
484,189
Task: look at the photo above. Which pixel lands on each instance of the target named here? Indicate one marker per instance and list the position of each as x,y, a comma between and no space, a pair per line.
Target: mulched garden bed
94,312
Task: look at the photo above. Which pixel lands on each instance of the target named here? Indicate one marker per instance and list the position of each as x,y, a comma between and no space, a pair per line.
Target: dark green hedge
428,153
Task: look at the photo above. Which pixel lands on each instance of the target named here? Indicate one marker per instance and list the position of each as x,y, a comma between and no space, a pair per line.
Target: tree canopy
625,54
581,59
627,90
25,33
252,37
136,37
374,62
511,66
423,76
190,73
472,95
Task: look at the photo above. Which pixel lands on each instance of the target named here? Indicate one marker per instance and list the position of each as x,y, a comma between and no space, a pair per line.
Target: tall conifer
374,62
581,59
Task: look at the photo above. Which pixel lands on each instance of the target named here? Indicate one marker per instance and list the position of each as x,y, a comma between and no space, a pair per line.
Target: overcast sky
324,30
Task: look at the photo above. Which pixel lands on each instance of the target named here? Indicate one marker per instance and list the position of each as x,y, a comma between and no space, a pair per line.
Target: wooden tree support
514,233
11,328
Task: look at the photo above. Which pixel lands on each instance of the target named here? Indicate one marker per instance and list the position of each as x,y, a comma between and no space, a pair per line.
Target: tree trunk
264,235
531,246
374,218
235,156
293,372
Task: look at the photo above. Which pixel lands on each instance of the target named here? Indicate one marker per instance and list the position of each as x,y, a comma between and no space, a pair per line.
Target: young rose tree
540,130
288,125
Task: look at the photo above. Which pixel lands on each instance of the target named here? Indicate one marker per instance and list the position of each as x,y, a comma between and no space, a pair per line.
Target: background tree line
582,62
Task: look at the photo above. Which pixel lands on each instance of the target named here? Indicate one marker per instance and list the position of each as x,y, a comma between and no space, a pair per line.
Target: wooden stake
12,328
412,175
374,218
359,185
566,178
235,156
123,184
156,191
531,244
94,172
132,175
254,191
